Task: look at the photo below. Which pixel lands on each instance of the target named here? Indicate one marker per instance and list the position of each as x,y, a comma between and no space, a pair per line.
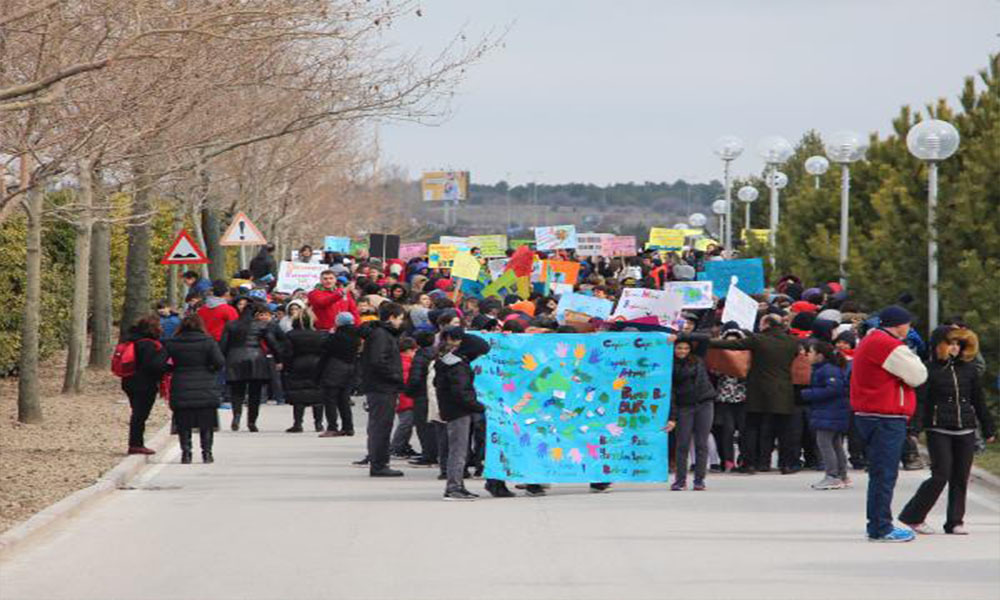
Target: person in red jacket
885,373
216,311
400,444
328,300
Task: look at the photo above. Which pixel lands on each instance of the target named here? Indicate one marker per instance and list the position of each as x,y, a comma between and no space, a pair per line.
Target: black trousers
762,429
729,417
951,463
250,390
299,412
381,414
338,400
142,404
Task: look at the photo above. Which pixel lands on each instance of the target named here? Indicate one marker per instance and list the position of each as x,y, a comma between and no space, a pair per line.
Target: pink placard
619,245
408,251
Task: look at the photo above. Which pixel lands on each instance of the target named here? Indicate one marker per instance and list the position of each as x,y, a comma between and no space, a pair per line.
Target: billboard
445,185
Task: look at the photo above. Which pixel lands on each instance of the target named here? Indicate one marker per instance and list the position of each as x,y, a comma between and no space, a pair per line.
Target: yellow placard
490,246
669,239
762,236
441,256
445,185
465,266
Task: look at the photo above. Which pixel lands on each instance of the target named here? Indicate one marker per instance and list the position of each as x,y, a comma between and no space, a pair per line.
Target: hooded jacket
215,313
381,365
301,353
454,380
246,343
828,397
327,304
150,365
340,357
952,397
691,385
196,362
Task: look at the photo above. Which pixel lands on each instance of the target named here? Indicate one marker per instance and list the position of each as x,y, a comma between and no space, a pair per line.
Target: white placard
635,303
740,307
696,294
296,275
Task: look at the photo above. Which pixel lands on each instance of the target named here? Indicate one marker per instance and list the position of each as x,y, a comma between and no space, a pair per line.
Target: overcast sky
612,91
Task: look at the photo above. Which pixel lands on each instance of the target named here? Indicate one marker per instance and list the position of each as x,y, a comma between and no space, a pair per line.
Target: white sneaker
959,530
923,529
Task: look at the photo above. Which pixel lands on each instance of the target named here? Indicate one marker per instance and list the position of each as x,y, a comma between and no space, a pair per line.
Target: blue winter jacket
828,396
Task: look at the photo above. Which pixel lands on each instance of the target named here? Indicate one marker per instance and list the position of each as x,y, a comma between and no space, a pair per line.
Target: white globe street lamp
697,220
932,141
845,147
719,208
681,226
728,148
747,195
775,150
816,166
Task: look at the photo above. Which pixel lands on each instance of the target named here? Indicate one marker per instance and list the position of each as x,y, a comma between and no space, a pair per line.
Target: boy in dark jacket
454,383
829,410
382,380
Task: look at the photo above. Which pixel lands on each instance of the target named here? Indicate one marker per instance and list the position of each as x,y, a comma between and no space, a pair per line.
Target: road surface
285,516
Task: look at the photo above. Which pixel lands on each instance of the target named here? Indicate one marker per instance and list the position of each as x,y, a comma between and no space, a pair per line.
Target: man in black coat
381,381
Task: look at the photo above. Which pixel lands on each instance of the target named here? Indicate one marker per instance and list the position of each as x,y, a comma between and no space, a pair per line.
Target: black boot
237,413
252,411
498,489
184,436
207,437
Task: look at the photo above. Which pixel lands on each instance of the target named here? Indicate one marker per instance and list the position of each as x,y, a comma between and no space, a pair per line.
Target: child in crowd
400,445
829,410
691,413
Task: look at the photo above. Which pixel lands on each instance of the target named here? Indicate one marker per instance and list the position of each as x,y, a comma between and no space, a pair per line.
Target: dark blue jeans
883,438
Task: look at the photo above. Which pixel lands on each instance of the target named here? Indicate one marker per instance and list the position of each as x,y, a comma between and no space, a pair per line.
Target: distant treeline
661,196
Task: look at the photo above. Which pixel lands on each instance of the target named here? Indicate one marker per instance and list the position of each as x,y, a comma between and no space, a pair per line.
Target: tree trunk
173,273
136,303
29,404
73,379
217,253
100,277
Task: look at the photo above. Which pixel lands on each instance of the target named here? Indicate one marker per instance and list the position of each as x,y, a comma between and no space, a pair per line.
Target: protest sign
490,246
669,239
703,243
619,245
412,250
635,303
560,271
504,285
749,270
441,256
461,243
757,236
557,237
696,294
465,266
590,244
515,244
359,247
558,289
739,307
562,409
383,245
333,243
296,275
588,305
496,267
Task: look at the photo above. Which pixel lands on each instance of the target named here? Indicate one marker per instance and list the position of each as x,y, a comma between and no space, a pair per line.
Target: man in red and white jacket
885,373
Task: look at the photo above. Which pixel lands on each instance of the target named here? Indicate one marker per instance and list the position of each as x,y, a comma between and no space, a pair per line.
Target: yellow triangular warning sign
184,251
242,232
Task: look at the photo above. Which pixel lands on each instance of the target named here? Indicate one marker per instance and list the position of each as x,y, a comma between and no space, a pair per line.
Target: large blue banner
576,408
750,272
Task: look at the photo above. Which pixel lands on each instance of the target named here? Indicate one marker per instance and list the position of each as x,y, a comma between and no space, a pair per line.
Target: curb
116,477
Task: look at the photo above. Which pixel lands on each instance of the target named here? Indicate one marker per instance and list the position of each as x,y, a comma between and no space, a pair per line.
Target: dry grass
81,438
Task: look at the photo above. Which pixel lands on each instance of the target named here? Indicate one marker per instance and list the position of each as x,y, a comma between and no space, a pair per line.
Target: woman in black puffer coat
338,368
194,388
246,343
949,407
302,351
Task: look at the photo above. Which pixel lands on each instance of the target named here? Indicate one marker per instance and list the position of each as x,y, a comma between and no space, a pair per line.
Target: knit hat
344,318
258,294
830,314
822,329
812,294
803,307
894,316
684,273
848,337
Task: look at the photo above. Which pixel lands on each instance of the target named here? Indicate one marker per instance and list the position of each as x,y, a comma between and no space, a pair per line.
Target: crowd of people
819,372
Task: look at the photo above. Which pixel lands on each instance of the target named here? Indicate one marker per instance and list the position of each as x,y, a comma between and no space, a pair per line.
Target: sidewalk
285,516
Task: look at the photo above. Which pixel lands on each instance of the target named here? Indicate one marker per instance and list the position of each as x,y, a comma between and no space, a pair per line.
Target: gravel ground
81,438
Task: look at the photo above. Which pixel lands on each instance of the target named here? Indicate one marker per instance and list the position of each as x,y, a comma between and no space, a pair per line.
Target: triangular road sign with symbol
242,232
184,251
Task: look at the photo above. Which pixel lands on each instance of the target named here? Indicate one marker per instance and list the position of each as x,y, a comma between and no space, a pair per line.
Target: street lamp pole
932,141
844,148
775,150
728,148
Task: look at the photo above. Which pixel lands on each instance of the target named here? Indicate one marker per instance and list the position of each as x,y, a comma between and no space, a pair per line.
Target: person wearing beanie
883,397
683,273
950,405
803,307
382,380
822,329
802,324
830,314
336,374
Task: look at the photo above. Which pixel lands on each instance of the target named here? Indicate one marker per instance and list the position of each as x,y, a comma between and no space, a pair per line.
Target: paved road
284,516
